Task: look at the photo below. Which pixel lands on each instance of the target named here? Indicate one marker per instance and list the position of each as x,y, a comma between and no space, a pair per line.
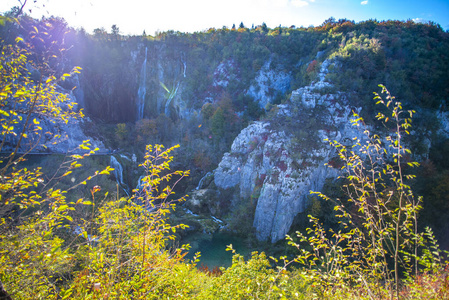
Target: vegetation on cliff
103,246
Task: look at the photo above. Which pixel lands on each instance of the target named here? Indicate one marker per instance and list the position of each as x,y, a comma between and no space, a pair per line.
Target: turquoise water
213,248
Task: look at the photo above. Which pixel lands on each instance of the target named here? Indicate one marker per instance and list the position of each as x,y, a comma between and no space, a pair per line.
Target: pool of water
213,248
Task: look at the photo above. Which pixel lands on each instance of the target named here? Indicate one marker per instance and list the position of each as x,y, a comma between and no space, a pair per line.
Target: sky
135,16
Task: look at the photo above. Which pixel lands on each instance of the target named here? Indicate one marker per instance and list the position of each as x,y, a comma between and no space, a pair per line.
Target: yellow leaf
67,173
63,207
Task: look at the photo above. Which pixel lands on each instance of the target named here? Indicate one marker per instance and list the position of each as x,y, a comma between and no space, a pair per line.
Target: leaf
104,172
2,112
55,249
63,207
67,173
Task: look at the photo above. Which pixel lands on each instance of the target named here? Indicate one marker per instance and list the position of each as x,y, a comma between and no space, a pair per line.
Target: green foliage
97,247
127,243
250,279
379,239
207,111
34,211
121,132
218,123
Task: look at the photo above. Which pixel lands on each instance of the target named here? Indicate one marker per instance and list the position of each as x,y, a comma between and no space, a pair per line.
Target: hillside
252,109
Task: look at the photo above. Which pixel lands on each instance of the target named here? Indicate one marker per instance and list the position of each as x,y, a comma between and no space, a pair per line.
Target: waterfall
118,172
142,89
185,66
200,184
139,183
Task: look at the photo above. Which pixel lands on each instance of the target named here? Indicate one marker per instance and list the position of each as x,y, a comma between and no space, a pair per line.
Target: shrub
380,244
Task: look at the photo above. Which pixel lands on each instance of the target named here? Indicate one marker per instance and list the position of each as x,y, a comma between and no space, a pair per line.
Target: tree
45,252
100,33
115,31
264,28
130,239
121,132
207,110
32,208
218,123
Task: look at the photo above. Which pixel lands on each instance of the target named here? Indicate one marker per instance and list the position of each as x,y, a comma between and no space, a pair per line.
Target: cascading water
118,172
200,184
185,66
142,89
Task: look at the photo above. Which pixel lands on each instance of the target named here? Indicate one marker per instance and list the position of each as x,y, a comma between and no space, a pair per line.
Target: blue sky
134,16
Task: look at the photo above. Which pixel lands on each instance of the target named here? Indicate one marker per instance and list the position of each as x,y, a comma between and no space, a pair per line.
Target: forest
258,100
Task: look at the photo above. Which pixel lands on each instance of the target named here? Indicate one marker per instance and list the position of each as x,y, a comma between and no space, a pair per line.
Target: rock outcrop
276,163
266,80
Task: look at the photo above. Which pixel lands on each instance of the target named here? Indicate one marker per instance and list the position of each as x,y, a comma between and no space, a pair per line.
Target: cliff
277,162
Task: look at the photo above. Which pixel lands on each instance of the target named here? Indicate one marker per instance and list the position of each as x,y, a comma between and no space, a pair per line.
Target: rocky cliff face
269,79
276,163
